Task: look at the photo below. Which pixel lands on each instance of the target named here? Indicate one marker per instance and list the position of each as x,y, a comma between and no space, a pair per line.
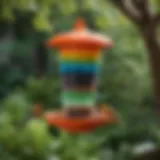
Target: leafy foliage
31,139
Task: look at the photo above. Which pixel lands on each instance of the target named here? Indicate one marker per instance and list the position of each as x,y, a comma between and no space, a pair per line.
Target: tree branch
144,11
121,4
141,5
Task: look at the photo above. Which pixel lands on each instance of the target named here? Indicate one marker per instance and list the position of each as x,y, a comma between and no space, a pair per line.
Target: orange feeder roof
80,36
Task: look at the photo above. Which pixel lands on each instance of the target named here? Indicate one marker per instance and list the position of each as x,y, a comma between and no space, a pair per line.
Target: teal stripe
69,68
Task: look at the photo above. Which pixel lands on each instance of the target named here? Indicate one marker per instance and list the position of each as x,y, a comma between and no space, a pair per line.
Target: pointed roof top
80,36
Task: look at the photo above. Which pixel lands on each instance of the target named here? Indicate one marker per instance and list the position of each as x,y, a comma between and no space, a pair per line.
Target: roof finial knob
80,24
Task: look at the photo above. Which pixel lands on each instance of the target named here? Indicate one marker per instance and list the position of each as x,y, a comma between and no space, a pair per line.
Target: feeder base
79,120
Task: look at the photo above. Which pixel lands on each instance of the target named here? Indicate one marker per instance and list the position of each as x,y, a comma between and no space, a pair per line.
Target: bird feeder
79,67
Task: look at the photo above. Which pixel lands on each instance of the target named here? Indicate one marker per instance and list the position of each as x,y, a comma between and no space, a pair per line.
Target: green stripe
73,98
79,94
79,62
78,102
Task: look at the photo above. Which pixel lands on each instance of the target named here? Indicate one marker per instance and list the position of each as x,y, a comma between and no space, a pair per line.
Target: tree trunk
153,47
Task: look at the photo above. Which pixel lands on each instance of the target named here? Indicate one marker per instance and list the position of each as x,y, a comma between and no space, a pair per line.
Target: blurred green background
29,75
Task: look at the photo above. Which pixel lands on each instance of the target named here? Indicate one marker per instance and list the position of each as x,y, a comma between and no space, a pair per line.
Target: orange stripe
83,50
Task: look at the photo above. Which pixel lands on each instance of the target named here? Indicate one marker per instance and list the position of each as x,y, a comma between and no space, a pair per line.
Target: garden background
29,76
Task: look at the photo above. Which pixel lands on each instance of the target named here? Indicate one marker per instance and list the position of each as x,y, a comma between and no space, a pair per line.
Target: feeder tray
80,119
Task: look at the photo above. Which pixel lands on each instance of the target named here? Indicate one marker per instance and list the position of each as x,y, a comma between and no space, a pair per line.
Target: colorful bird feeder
79,67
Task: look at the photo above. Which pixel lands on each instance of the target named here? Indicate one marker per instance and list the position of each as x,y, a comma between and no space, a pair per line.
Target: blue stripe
70,68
